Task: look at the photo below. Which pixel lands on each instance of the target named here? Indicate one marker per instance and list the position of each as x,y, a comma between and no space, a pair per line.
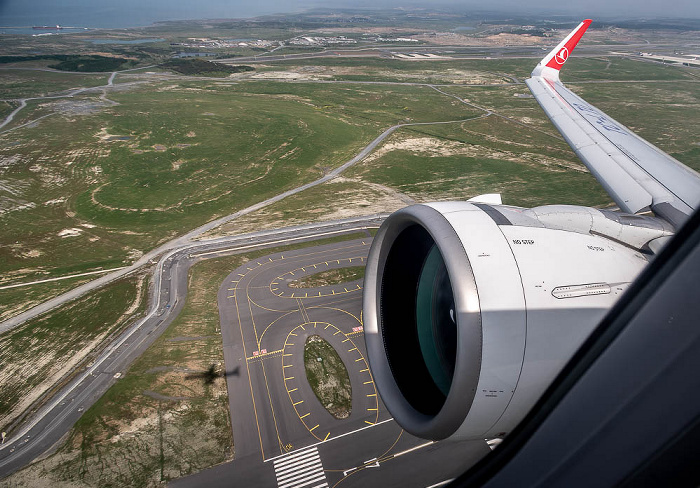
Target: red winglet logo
562,54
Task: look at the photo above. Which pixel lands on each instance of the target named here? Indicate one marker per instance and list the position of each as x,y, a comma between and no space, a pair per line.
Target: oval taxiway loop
264,326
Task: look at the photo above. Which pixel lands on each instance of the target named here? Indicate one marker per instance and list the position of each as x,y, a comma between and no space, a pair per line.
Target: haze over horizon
132,13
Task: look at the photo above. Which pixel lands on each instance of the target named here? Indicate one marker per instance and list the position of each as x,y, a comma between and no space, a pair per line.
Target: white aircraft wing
637,175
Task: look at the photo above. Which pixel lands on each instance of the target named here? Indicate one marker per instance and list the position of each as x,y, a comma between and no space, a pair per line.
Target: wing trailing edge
638,176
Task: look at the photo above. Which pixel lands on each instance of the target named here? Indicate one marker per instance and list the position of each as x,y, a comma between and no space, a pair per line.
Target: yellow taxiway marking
337,333
360,359
231,289
231,296
292,377
368,422
353,349
312,428
295,389
287,366
327,435
305,415
367,382
363,370
287,354
372,409
372,394
346,340
297,403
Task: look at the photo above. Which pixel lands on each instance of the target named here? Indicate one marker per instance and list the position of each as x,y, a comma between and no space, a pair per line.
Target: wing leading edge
637,175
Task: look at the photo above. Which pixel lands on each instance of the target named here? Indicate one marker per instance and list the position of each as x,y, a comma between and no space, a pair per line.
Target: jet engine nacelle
470,310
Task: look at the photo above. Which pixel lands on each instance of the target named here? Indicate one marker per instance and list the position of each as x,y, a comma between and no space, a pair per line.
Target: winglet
551,64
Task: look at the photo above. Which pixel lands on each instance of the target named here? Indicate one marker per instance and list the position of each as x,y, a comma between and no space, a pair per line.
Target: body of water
124,41
130,13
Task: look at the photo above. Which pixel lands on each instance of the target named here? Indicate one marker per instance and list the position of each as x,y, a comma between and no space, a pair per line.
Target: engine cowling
470,310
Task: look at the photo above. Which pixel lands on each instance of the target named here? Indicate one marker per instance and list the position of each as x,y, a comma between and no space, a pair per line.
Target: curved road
54,419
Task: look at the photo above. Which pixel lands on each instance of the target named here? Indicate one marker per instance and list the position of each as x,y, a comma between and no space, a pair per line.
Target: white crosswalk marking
302,469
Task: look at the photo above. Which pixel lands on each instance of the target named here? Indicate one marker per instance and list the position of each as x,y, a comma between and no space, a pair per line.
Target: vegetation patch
330,277
328,377
196,66
49,349
76,62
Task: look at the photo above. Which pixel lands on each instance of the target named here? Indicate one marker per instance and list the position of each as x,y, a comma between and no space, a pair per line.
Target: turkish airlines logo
562,55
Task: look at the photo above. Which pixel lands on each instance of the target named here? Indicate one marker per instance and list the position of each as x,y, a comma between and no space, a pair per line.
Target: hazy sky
122,13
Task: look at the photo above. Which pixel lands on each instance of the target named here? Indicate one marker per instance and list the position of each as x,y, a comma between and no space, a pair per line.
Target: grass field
38,354
330,277
21,83
16,300
328,377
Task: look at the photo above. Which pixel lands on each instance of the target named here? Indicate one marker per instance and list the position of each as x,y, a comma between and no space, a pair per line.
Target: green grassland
22,83
132,175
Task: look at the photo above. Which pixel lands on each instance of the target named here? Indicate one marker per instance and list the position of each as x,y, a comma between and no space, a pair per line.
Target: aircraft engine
470,310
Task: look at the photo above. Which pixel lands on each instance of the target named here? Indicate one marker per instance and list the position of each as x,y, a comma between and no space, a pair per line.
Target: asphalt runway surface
283,436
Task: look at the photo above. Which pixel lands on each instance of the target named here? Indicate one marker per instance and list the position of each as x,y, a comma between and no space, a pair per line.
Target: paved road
283,436
55,419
